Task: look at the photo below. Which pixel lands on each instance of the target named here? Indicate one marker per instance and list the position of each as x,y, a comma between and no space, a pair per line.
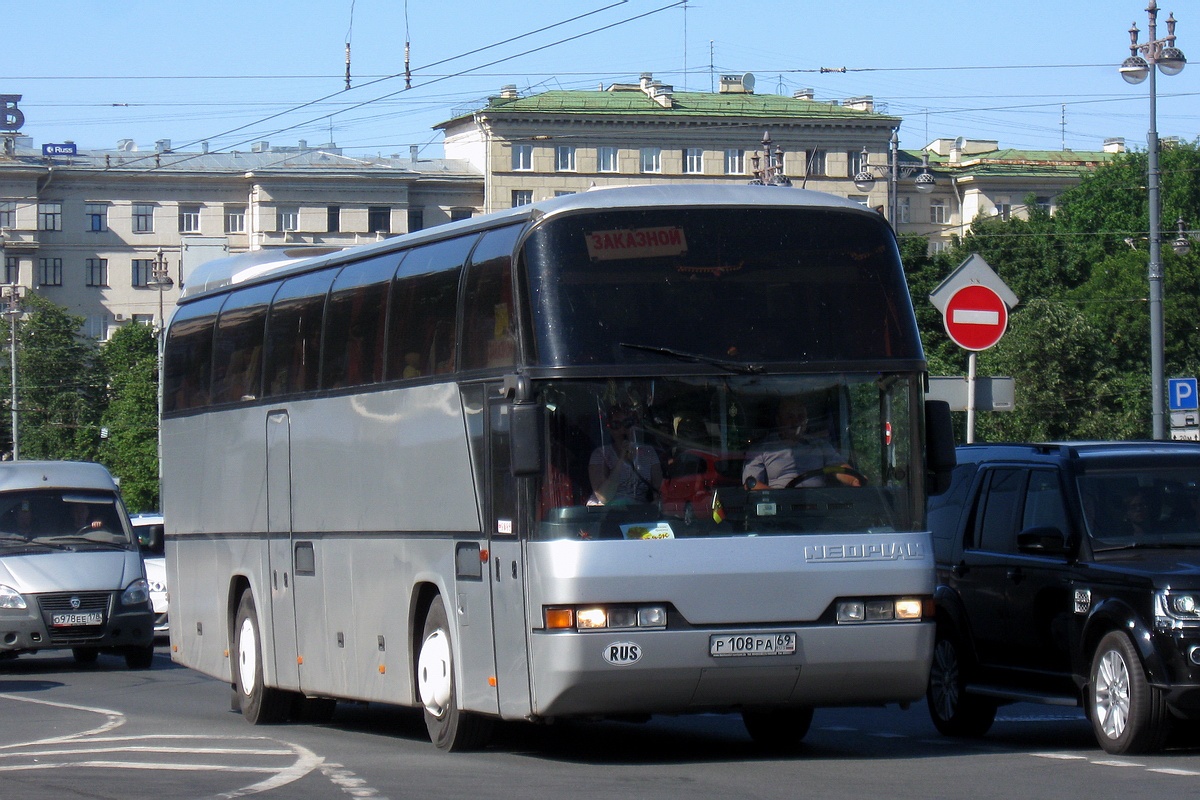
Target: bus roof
247,267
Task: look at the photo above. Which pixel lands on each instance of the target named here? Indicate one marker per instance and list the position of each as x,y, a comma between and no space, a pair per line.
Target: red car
690,478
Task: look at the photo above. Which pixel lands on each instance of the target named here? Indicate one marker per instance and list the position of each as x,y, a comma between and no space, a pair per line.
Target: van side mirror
940,458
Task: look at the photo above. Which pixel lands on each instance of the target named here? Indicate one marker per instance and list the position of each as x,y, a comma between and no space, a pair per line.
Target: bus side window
422,332
354,324
237,348
188,369
294,334
489,339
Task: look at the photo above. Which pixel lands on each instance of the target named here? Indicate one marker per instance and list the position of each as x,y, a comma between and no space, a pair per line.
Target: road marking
348,782
1118,764
115,720
1169,771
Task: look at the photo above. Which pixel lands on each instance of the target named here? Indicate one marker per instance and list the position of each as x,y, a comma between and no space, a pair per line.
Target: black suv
1070,574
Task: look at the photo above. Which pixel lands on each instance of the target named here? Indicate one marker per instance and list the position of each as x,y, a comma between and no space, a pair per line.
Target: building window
816,162
97,216
49,216
936,246
1045,204
416,219
235,219
693,161
522,157
903,211
564,158
143,268
142,319
861,199
12,269
522,197
50,272
287,218
937,212
457,214
96,327
189,219
379,219
856,162
651,159
97,272
606,159
8,213
333,219
1004,208
143,218
735,162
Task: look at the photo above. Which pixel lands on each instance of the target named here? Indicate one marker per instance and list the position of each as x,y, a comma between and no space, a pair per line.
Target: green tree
130,416
58,382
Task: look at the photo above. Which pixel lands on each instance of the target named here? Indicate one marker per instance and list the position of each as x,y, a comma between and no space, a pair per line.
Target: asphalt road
102,731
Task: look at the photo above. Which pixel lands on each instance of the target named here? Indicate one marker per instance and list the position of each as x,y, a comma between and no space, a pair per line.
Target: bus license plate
752,644
68,620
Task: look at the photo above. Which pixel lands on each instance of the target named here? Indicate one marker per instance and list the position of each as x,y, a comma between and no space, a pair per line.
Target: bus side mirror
525,420
940,459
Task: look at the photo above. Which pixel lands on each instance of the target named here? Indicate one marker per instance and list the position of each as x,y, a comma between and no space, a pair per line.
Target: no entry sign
975,317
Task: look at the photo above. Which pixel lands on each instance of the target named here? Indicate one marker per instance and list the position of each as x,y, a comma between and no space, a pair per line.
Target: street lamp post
12,310
771,172
864,179
160,279
1163,54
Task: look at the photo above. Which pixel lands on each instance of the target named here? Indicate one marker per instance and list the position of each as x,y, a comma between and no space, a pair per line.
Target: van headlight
10,597
136,594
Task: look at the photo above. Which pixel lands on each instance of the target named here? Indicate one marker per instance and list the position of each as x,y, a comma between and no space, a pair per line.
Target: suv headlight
10,597
1172,610
136,594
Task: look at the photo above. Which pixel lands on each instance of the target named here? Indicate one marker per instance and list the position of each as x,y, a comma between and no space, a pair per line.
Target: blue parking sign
1181,394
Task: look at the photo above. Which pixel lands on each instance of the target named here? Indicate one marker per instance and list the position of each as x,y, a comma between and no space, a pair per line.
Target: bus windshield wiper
725,364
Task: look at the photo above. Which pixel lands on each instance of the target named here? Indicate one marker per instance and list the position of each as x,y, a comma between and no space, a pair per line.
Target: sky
1031,75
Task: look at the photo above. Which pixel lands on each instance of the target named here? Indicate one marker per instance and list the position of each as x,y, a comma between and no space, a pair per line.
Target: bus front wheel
450,728
260,705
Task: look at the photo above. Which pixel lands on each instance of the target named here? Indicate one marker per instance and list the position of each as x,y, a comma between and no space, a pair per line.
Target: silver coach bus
384,468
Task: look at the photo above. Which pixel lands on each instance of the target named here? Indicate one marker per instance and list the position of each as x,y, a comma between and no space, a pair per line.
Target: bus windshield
680,457
738,284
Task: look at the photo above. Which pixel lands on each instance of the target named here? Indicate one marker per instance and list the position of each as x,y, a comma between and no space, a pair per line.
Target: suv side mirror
1044,540
940,459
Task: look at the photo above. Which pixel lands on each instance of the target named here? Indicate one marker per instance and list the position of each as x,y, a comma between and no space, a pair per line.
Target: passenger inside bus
791,457
624,471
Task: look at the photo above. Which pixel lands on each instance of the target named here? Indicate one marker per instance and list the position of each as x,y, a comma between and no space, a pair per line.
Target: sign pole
971,397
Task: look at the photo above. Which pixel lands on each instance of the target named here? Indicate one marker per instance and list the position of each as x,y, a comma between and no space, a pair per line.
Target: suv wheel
953,710
1128,714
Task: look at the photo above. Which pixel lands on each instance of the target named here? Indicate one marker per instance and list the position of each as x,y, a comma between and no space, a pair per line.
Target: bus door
281,623
507,567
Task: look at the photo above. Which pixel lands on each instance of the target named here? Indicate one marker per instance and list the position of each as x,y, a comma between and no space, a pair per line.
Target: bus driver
789,453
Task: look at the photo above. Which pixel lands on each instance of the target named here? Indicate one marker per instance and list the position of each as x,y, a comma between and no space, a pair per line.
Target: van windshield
61,518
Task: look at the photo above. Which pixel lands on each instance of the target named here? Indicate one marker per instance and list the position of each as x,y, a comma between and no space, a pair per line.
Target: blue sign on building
67,149
1181,394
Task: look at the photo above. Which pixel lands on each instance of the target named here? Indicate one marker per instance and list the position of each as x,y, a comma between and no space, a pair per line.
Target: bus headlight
10,597
880,609
622,617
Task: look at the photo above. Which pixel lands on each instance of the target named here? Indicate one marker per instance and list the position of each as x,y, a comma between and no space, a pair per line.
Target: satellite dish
748,81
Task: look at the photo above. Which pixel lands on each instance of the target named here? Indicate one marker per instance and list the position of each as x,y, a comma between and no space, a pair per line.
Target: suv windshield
727,456
58,518
1152,506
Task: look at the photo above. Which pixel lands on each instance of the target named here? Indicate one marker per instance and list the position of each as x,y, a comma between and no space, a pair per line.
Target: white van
71,573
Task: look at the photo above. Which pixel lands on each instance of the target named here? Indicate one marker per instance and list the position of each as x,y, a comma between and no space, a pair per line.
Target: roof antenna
407,70
349,32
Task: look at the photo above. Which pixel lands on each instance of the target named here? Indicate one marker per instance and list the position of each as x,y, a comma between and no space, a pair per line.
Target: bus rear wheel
450,728
260,705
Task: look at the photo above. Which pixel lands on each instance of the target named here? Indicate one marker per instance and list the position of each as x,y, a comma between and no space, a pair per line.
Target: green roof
1012,162
683,104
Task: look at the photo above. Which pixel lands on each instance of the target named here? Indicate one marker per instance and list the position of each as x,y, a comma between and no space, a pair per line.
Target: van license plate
68,620
752,644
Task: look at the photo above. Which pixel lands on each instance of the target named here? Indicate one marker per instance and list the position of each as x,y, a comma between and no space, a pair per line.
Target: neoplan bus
376,467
